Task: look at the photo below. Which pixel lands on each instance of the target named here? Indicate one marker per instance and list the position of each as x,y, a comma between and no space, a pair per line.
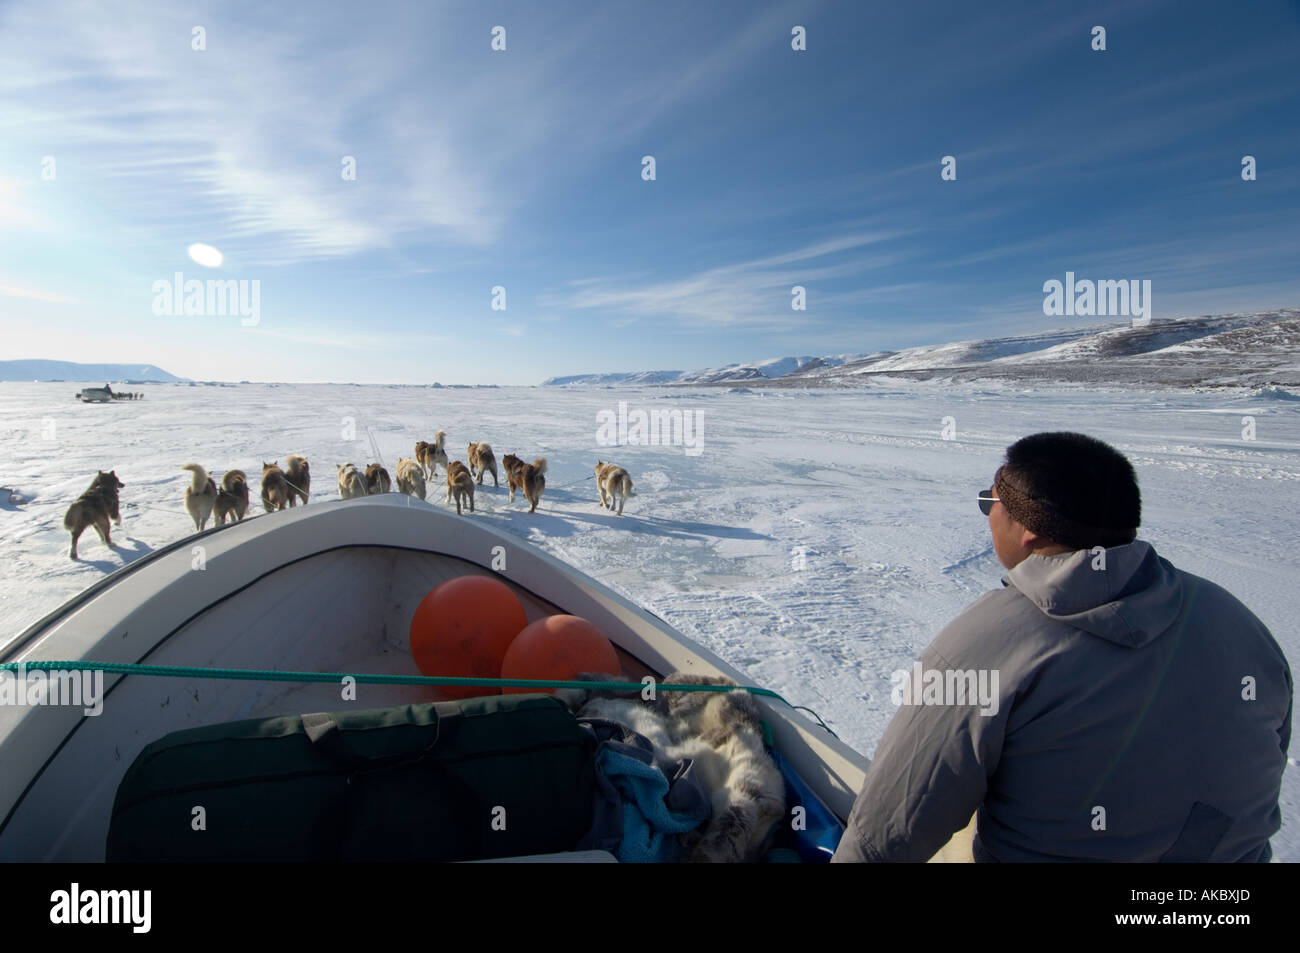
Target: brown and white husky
95,508
275,489
410,478
232,497
527,477
429,455
481,460
298,477
613,481
351,482
460,484
200,495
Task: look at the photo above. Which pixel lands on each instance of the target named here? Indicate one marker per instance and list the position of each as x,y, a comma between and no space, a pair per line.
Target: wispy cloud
247,137
755,293
244,141
16,211
35,294
346,340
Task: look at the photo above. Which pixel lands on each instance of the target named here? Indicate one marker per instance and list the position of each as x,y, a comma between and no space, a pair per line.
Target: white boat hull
327,588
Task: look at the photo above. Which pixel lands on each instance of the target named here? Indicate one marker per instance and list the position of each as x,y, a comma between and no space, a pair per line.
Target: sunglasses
987,499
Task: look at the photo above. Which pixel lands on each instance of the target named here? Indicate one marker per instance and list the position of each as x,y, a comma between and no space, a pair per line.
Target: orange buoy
558,647
463,627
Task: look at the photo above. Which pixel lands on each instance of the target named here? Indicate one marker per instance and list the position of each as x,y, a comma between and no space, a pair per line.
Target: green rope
815,715
266,675
263,675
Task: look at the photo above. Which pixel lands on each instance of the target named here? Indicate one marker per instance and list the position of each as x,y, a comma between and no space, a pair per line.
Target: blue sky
522,169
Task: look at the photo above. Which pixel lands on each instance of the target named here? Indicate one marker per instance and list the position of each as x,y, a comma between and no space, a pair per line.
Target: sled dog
275,491
232,497
298,477
482,461
613,481
429,455
527,477
377,479
351,481
410,478
95,508
200,495
460,484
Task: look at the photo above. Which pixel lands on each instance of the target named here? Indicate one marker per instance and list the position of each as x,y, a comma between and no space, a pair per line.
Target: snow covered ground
817,541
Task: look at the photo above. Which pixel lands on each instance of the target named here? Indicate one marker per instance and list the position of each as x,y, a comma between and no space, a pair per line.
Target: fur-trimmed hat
1071,489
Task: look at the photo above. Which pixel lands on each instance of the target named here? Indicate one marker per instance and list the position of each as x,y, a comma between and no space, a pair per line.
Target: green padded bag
496,776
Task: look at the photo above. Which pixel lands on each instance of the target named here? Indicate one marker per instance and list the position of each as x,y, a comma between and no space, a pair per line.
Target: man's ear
1031,540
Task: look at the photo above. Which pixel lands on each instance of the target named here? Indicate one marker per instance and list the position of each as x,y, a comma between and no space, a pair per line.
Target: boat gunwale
592,590
18,642
142,660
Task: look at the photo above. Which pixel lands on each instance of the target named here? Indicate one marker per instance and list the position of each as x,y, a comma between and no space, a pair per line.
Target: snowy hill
758,370
1250,349
597,380
70,371
770,369
964,353
1127,341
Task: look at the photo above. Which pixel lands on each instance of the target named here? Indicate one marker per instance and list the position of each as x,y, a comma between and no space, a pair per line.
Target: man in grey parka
1138,712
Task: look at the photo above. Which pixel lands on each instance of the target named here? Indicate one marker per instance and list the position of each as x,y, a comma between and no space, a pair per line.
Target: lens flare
206,255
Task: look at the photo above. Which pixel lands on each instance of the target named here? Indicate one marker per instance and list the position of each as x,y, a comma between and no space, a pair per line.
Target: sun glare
206,255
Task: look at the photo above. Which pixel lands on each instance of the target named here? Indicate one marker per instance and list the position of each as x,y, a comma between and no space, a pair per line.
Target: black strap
1201,833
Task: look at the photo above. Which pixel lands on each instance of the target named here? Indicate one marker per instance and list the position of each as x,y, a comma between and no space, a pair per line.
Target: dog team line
100,506
666,428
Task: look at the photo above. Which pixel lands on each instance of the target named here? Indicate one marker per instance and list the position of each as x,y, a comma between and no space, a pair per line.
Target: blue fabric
606,831
647,822
821,830
640,800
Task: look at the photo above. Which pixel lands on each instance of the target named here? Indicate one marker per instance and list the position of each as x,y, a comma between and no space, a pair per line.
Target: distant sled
95,395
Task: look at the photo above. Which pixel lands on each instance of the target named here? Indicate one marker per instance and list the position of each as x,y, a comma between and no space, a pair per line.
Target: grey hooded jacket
1141,714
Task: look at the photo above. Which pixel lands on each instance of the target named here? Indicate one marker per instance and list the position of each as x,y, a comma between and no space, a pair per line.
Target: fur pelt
721,732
